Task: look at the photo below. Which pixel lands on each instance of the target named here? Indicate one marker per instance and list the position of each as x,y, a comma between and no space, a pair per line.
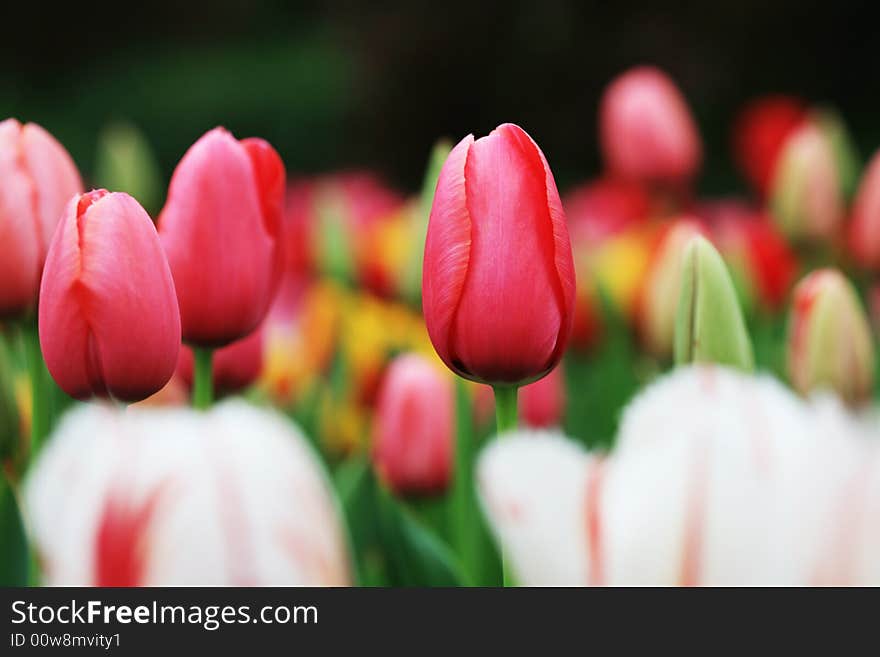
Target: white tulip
159,496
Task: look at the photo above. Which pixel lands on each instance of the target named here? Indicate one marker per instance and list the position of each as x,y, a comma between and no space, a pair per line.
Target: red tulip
498,284
542,403
646,129
235,366
37,179
865,225
109,323
412,448
220,228
759,134
602,208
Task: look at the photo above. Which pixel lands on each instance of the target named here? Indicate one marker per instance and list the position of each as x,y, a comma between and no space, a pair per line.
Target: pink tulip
498,284
220,228
647,131
37,179
865,225
109,323
413,436
235,366
542,403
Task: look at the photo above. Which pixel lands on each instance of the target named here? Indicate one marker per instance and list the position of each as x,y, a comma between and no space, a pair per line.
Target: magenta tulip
220,229
413,438
498,283
109,323
37,179
647,131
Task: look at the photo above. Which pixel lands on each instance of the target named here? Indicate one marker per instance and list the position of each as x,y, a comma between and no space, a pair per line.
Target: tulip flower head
498,283
413,434
108,317
865,225
37,179
830,343
220,228
150,497
806,199
709,326
646,129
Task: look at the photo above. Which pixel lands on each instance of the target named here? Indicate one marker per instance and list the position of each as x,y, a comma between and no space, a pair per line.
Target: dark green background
342,84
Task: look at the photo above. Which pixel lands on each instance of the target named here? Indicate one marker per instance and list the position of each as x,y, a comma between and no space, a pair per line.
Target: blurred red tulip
758,255
235,366
413,435
221,230
647,131
297,224
542,403
865,223
109,323
601,208
498,284
759,134
37,179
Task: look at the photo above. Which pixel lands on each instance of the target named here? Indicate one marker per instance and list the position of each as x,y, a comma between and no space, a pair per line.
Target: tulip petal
447,252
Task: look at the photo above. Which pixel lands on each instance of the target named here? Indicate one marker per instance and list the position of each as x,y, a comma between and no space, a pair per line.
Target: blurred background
372,85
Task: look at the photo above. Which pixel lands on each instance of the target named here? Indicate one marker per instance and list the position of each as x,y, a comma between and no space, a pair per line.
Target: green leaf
14,560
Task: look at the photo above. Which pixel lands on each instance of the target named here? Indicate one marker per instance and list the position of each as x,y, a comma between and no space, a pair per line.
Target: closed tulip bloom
108,317
413,435
806,198
220,228
865,224
236,366
498,283
233,496
830,343
647,131
37,179
542,403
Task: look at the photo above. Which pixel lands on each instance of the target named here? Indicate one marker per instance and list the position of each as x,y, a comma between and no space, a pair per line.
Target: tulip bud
661,288
109,323
647,131
232,496
498,284
220,229
806,198
864,235
829,340
709,325
846,155
37,179
542,403
413,433
125,162
235,366
760,132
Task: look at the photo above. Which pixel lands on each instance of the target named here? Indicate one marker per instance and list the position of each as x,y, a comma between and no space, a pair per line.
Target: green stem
505,408
39,395
203,378
506,414
462,500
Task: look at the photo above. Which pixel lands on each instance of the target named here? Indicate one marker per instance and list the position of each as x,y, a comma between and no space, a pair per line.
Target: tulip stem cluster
39,393
203,385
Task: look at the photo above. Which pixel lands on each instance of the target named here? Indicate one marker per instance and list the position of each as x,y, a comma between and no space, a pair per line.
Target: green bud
709,325
125,163
829,341
846,154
